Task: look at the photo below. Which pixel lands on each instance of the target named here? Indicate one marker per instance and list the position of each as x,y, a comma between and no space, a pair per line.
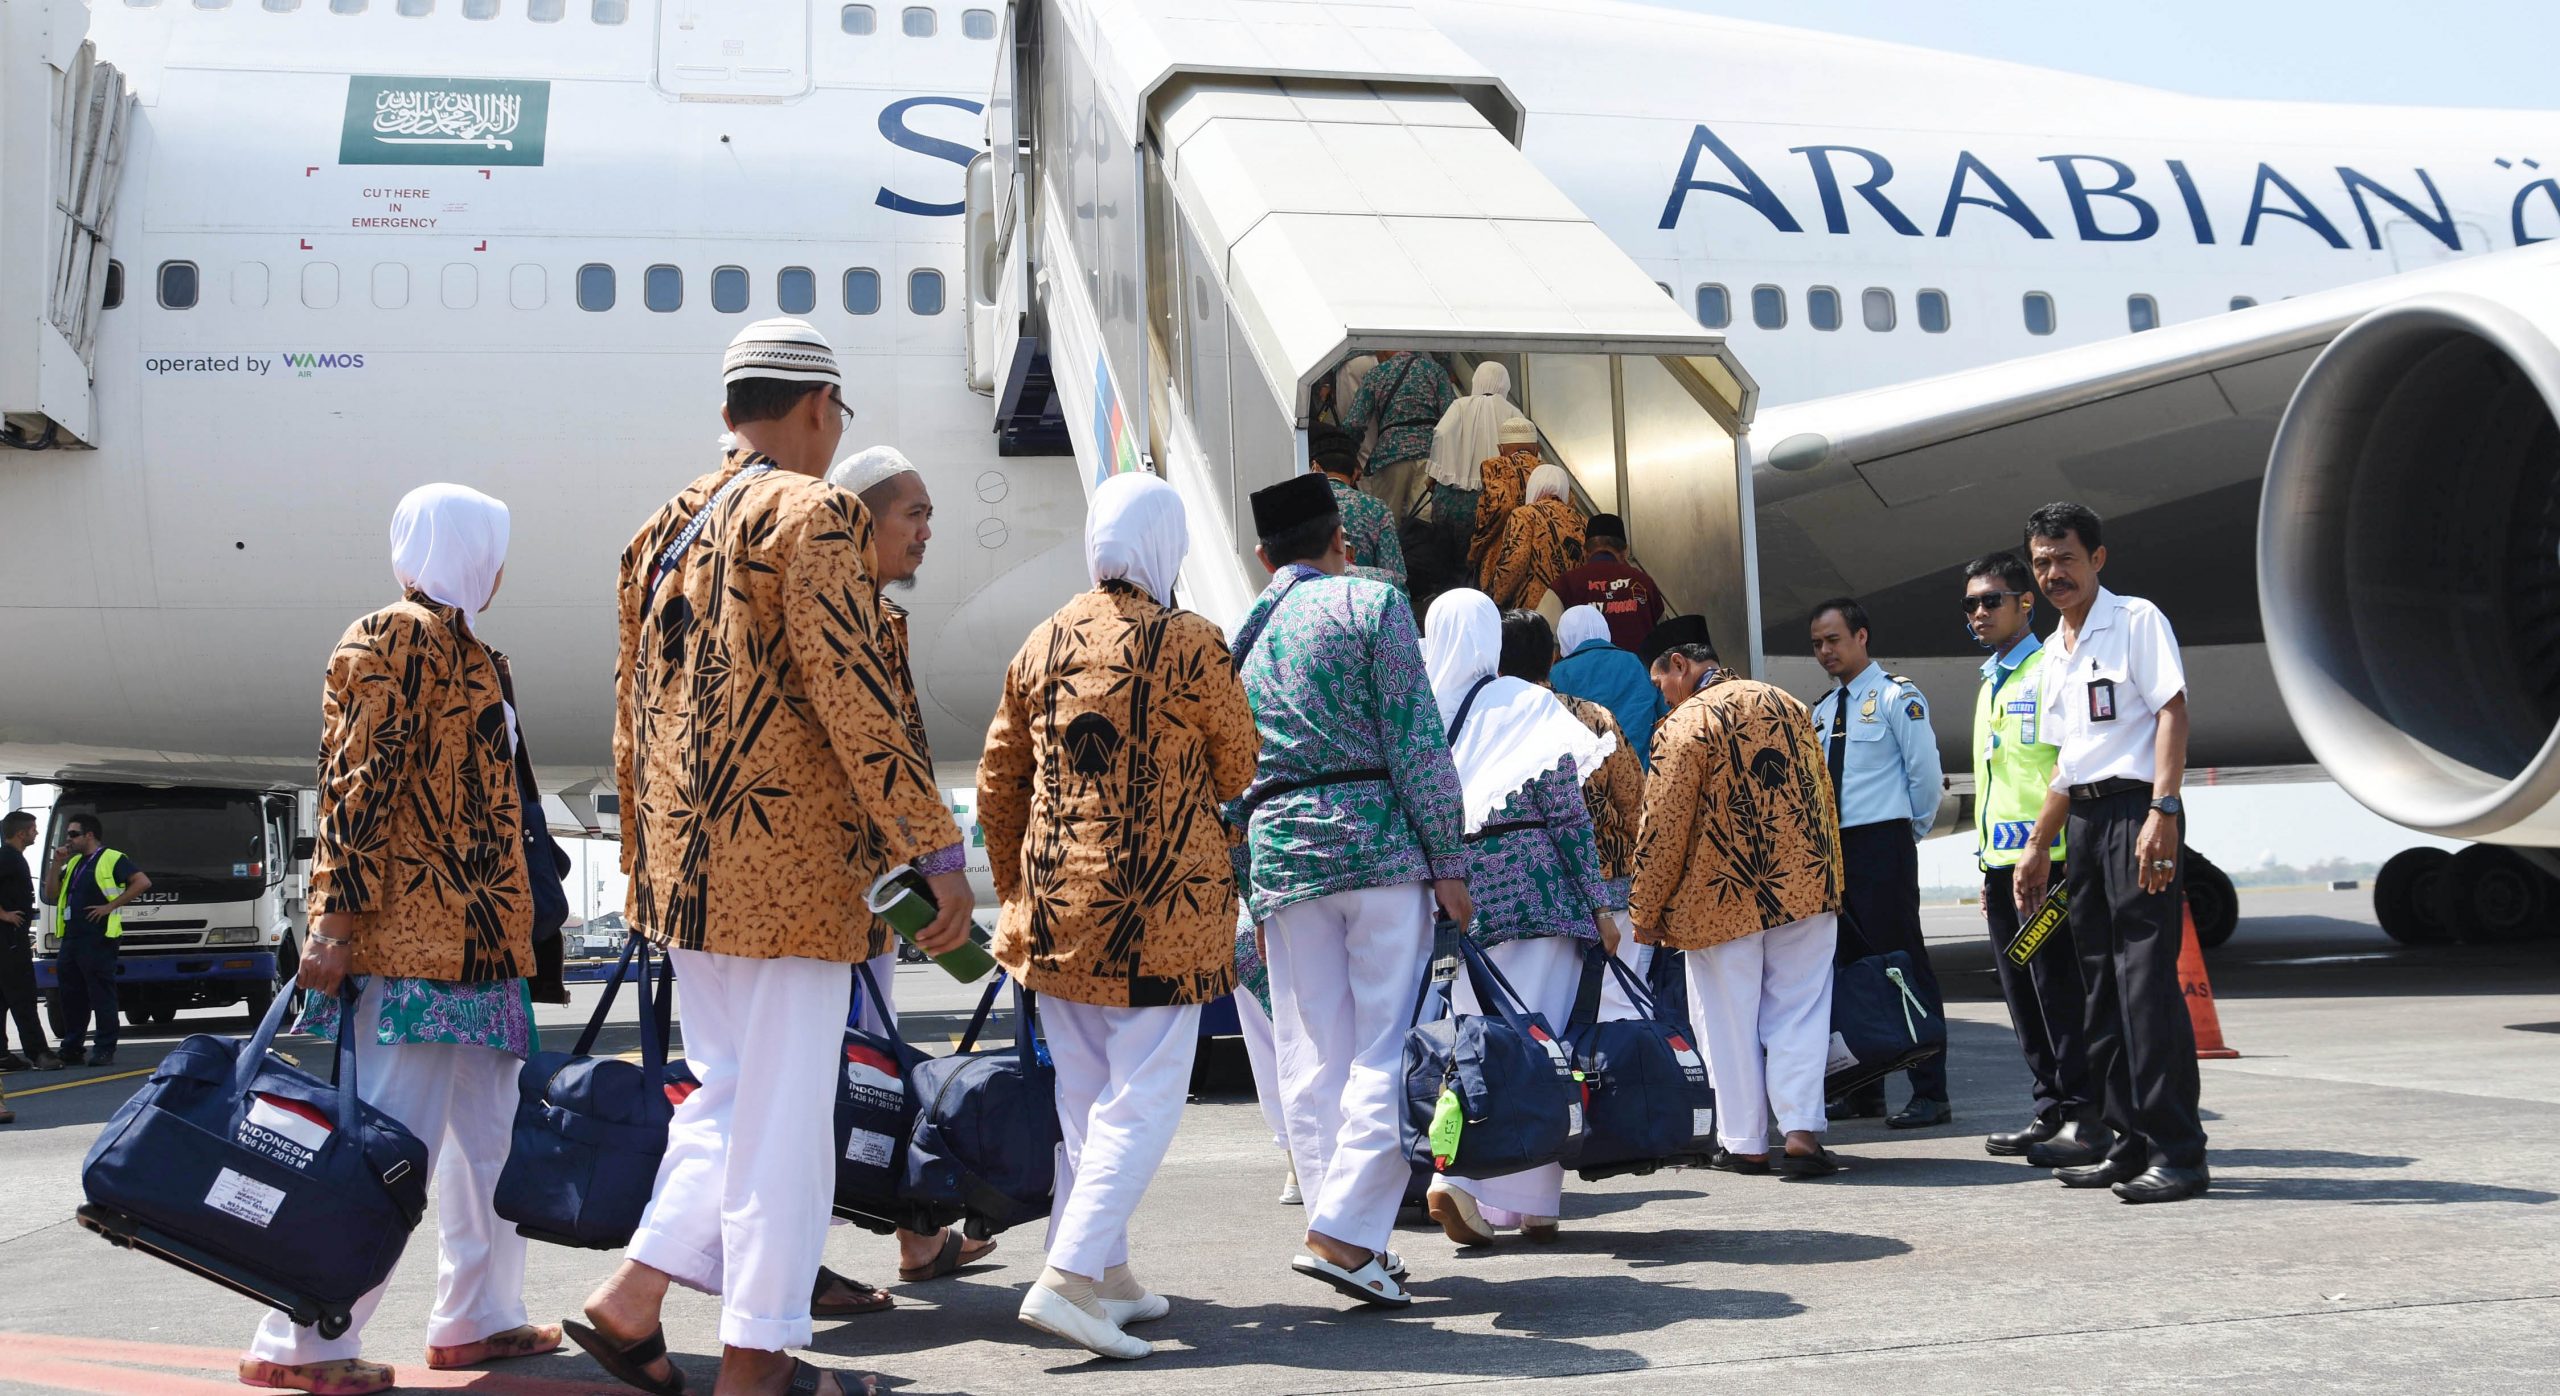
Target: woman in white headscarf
1122,729
431,920
1533,868
1469,431
1541,541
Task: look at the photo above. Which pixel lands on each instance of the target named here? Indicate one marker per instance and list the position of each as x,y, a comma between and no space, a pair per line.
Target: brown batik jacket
1614,794
1540,542
1740,833
1506,483
758,728
1122,730
419,835
874,842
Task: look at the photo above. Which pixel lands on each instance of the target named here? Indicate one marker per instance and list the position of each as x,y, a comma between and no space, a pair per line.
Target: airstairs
1194,211
63,118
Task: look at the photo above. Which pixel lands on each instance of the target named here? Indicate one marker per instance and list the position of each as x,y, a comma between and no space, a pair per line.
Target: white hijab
1134,528
1516,731
449,542
1583,625
1549,481
1471,430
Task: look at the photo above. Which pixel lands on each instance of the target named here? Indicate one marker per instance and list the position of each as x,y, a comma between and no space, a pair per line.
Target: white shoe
1060,1317
1457,1214
1145,1306
1289,1194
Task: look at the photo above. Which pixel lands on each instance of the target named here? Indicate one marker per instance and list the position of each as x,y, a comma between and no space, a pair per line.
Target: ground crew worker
2013,755
17,956
1884,774
2116,693
89,885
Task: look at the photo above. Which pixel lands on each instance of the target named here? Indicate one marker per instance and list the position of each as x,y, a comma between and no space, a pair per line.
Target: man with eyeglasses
1875,735
2013,755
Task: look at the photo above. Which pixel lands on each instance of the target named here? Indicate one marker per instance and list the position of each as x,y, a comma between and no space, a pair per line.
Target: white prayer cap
877,465
1519,431
785,347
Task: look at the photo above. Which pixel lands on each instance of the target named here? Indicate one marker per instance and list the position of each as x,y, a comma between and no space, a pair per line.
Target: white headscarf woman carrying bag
1515,731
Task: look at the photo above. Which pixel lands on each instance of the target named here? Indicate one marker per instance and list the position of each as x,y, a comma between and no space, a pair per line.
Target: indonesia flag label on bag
872,1079
1692,1066
289,1131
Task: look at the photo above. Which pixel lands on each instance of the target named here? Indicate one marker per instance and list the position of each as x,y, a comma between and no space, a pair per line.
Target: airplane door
729,50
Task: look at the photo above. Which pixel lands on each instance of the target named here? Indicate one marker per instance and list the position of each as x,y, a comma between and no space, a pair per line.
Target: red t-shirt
1627,598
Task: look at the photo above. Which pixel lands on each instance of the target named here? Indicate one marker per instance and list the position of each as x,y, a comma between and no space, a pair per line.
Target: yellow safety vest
103,867
2013,756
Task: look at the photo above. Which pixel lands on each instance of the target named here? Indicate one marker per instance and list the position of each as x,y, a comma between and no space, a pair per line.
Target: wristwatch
2170,805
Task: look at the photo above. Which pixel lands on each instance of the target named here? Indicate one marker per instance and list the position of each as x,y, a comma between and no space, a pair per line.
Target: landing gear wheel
2497,895
2211,900
2410,897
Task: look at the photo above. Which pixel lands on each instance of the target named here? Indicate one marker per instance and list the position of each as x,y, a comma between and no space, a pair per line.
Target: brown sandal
953,1255
870,1299
524,1340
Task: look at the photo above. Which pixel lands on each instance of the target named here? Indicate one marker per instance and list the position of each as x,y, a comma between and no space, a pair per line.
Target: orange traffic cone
2199,995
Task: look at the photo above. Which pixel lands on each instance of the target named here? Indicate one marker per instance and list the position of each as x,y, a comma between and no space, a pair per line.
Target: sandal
805,1379
345,1376
524,1340
953,1255
1370,1284
628,1362
868,1299
1821,1163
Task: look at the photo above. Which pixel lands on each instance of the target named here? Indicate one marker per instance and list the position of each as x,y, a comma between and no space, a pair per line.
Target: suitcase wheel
333,1322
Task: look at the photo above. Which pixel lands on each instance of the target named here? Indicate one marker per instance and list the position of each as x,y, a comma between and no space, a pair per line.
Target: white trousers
461,1102
1263,1055
1344,970
1766,993
1546,971
748,1223
1122,1076
1614,1003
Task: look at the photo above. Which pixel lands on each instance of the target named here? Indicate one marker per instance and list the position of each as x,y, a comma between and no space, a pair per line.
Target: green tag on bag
1447,1119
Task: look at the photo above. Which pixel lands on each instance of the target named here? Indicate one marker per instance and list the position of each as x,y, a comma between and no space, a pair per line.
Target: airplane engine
2409,562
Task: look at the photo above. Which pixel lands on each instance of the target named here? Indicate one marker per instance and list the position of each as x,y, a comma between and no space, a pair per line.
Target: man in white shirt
2115,694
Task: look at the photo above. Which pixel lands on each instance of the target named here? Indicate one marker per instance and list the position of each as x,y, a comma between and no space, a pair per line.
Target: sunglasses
1989,601
844,410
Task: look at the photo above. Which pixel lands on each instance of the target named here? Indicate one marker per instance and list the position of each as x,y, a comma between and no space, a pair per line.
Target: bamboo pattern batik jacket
1614,794
1740,833
1540,542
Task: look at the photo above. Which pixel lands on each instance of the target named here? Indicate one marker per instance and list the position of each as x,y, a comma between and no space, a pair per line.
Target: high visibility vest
103,868
2013,756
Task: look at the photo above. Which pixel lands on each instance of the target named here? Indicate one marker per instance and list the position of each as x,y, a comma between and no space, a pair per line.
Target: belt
1253,799
1508,827
2100,790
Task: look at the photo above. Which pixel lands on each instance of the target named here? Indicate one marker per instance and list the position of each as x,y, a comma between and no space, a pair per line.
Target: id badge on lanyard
2102,700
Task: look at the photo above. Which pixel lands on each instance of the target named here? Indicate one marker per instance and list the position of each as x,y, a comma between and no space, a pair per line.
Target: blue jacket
1616,680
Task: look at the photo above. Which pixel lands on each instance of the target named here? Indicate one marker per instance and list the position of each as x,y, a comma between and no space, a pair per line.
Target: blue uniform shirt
1889,769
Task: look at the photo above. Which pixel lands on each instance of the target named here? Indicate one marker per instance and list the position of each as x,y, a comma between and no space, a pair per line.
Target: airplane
341,247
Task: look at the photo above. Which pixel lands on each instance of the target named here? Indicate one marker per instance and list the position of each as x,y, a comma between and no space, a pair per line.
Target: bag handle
978,1020
864,983
1492,989
1466,705
656,1017
1025,1027
342,1057
1598,963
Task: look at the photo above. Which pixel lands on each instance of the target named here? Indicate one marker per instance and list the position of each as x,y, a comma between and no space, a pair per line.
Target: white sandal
1370,1284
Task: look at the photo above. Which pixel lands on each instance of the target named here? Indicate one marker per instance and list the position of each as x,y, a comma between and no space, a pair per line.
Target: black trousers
87,984
1883,895
18,993
2141,1046
2046,1003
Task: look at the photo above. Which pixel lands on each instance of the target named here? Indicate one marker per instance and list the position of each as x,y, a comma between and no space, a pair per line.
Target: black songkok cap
1300,499
1671,634
1604,526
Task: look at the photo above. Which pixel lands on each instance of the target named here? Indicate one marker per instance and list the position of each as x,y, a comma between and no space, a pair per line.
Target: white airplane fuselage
167,599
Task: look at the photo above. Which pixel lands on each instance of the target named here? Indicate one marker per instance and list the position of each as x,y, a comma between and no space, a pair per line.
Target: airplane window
249,285
415,9
346,7
320,285
1822,307
1768,307
2142,313
2039,308
858,19
1933,311
595,287
528,286
479,9
1715,307
213,4
2243,302
390,285
1665,288
461,289
282,7
178,285
862,292
662,288
917,22
924,292
795,289
609,11
140,4
978,24
1877,307
729,289
546,11
115,286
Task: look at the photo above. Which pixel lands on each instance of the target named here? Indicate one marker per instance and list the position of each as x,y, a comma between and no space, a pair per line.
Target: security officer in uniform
2013,755
89,885
1884,771
2115,691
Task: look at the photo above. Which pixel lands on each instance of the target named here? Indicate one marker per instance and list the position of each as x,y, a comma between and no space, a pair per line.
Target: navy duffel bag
876,1106
1513,1082
235,1164
1649,1101
1884,1017
590,1131
986,1133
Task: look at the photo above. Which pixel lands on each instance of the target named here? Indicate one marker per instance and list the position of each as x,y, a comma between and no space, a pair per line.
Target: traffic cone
2198,991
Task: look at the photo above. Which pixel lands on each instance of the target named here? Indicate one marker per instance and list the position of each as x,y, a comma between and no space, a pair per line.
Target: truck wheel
259,999
138,1017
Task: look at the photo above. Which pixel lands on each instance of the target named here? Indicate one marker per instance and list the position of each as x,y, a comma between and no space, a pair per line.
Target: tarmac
2381,1219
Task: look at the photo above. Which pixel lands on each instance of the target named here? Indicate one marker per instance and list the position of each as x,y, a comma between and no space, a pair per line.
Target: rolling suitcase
235,1164
1650,1101
590,1131
1883,1018
1500,1083
876,1106
986,1134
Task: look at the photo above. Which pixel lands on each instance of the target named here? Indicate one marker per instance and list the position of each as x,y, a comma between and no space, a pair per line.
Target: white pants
1546,971
1122,1076
1614,1003
749,1223
1771,993
461,1102
1344,970
1263,1055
